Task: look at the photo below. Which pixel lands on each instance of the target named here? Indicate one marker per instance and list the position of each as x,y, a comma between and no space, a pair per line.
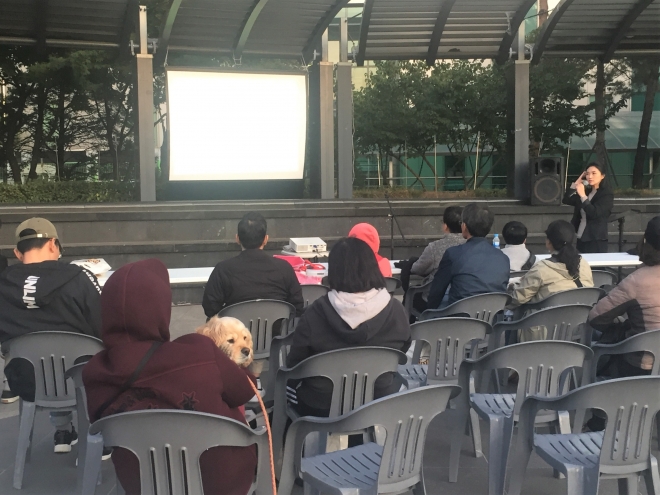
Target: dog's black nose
245,351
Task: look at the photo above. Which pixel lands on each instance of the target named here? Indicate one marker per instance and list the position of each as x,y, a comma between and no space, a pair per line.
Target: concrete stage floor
51,474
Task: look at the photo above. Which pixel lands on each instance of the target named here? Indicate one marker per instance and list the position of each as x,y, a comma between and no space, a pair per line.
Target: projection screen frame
292,72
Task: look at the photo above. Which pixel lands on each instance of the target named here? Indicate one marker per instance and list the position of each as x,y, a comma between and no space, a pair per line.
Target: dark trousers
592,246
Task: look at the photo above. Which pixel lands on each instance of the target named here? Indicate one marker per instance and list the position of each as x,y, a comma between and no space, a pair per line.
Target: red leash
270,436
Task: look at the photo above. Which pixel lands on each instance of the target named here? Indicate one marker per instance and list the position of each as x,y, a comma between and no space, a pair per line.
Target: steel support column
145,105
344,117
521,112
326,122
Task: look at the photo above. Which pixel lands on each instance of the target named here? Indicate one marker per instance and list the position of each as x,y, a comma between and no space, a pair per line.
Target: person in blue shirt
475,267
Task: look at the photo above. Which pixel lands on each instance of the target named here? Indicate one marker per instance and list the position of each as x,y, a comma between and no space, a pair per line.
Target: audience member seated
38,294
638,297
473,268
369,234
253,274
3,260
357,312
515,237
564,270
188,373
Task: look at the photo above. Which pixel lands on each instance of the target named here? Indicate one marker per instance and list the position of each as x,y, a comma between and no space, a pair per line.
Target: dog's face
231,336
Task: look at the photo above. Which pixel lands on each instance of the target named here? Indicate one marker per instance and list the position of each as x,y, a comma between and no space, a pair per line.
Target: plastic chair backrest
259,316
52,354
312,292
646,342
481,307
169,443
603,277
539,365
582,295
353,373
412,291
392,284
404,416
561,323
630,405
75,374
448,339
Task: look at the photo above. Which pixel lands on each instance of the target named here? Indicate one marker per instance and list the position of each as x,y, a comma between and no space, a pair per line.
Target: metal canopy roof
427,29
391,29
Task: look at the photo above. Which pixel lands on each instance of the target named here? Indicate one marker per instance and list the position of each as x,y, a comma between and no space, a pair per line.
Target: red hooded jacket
188,373
368,233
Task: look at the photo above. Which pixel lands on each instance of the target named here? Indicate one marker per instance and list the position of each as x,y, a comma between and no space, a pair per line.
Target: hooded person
368,233
189,373
357,312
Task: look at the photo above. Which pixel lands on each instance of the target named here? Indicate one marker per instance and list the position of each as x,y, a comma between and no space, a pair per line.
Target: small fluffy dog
231,336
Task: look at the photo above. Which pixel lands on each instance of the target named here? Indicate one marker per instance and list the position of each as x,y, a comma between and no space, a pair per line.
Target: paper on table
97,266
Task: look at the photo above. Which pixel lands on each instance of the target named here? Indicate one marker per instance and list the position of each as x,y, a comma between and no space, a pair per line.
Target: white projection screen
236,125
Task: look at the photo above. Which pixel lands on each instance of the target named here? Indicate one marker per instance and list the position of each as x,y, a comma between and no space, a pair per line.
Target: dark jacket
475,267
321,329
253,274
3,263
188,373
598,211
48,296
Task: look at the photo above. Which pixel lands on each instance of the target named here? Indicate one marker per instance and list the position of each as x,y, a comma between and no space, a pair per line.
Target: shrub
39,191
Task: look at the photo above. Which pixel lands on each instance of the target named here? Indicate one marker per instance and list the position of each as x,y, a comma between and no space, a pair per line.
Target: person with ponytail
564,270
592,202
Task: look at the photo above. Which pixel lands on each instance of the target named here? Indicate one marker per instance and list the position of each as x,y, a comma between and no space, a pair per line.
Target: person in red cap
368,233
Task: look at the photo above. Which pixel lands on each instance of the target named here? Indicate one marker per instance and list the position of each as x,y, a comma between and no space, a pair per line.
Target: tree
645,75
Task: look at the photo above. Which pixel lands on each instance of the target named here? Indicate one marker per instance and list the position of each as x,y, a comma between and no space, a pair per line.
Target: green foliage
40,191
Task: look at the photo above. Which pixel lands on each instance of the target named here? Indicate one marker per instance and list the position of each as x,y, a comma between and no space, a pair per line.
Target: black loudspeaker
546,173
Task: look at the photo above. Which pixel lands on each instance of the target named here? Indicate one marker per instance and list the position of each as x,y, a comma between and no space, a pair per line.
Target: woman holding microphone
593,201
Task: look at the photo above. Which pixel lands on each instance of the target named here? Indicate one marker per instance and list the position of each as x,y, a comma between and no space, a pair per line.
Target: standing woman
593,204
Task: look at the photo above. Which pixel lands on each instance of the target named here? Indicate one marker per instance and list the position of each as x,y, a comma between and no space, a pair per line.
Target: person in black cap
40,293
638,296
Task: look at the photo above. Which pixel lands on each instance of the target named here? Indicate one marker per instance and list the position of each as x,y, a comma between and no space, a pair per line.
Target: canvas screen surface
236,126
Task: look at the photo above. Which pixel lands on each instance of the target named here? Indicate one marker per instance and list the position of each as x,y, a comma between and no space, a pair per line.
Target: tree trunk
61,133
599,98
109,133
42,97
651,81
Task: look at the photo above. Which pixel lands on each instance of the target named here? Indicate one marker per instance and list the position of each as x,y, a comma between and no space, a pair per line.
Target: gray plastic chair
392,284
583,295
481,307
603,278
368,469
643,342
353,373
168,445
622,451
410,298
542,369
51,354
561,323
259,316
450,340
312,292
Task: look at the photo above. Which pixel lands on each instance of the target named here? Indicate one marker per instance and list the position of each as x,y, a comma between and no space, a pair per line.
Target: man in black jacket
253,274
38,294
3,260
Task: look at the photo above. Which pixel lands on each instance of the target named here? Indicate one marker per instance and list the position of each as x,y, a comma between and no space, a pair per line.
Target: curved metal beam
321,26
623,27
548,28
244,34
166,32
438,29
364,32
514,23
